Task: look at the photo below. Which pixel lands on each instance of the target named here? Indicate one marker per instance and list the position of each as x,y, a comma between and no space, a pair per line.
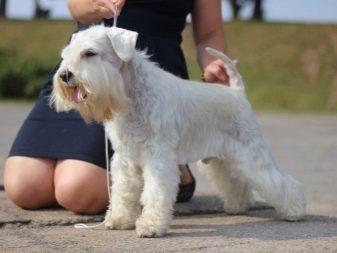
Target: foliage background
285,66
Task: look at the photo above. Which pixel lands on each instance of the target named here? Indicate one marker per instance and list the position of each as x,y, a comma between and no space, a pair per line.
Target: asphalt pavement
304,145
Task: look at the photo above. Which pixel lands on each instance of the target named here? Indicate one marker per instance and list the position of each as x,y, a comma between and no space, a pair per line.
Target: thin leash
107,160
108,175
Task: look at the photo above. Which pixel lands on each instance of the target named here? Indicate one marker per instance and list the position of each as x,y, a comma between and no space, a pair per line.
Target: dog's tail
235,79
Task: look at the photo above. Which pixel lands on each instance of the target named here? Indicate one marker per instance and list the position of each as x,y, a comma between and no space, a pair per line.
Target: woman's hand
107,8
215,72
93,11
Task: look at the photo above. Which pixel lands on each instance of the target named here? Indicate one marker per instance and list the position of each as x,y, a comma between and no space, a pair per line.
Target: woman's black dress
48,134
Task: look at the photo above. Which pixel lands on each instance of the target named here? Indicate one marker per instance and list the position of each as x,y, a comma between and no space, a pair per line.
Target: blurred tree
39,11
236,7
238,4
3,4
258,10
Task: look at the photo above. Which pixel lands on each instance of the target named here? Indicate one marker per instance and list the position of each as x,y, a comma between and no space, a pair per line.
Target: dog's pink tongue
74,95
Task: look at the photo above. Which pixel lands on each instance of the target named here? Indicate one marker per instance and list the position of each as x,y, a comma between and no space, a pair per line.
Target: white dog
156,121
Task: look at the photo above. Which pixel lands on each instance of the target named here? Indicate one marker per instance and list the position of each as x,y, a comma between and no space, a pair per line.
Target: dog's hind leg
124,207
227,183
255,163
161,179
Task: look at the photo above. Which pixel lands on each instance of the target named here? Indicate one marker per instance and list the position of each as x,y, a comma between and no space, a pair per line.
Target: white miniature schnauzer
156,121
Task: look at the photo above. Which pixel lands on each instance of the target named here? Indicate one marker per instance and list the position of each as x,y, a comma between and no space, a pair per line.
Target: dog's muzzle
76,94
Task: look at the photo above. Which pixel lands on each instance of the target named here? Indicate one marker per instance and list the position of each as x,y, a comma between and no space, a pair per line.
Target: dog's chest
128,137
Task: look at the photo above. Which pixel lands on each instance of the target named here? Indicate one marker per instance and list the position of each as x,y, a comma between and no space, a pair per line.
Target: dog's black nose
66,76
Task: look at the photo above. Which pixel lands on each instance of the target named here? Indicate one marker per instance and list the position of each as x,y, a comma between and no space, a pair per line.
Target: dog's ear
73,36
123,42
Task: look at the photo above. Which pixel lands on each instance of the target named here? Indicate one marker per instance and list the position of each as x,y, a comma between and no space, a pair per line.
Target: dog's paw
147,228
294,203
294,213
119,222
235,210
236,207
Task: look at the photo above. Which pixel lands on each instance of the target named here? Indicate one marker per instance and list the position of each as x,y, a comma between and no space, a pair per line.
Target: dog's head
89,78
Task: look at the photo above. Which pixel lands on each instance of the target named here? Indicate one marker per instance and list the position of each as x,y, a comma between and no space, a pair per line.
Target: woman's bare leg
29,182
35,183
81,186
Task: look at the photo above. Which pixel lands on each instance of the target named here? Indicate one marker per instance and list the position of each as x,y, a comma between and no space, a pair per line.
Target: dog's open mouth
76,95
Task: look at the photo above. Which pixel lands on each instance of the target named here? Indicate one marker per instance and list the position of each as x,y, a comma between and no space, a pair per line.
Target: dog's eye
89,53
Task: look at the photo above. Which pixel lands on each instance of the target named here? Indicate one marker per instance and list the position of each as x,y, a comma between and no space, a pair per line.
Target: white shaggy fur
156,121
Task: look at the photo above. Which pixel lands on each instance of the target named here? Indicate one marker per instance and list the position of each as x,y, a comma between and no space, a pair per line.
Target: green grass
285,66
39,39
28,52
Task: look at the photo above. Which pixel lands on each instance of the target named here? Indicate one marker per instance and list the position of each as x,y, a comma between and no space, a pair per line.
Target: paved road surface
304,145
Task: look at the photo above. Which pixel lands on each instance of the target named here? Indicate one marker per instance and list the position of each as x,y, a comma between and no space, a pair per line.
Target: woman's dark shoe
186,191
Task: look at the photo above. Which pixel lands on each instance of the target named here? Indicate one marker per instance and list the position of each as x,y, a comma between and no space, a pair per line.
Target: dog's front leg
124,207
161,179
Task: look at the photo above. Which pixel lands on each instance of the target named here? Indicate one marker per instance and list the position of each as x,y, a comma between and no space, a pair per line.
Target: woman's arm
93,11
208,32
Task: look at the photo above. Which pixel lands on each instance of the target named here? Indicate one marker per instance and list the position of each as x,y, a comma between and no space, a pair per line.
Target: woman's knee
81,187
29,183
